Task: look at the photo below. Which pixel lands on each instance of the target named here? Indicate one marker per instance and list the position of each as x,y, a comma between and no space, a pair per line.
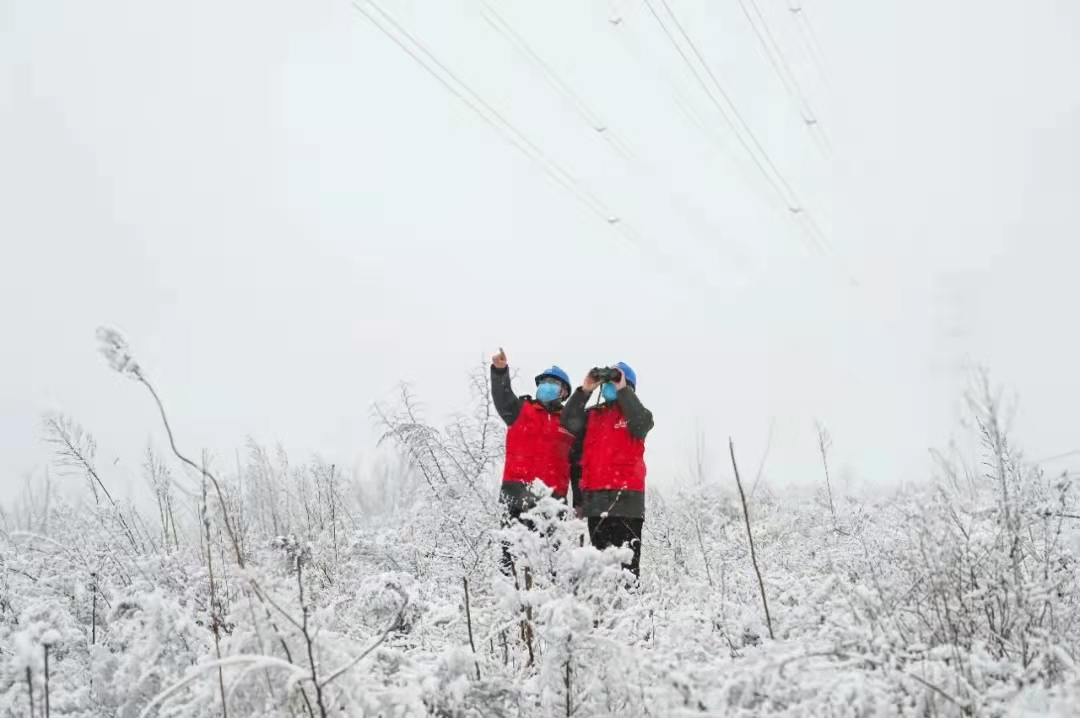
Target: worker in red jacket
612,457
537,445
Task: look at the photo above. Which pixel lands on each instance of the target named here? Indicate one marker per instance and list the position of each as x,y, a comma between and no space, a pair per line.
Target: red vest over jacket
538,447
611,458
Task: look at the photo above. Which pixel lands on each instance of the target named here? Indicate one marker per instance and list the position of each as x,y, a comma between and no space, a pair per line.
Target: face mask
548,392
610,392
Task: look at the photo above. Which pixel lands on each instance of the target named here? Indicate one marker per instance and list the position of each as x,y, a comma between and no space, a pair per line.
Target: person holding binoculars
612,435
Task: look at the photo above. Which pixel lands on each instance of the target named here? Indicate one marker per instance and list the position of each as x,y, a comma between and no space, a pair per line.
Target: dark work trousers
514,515
607,531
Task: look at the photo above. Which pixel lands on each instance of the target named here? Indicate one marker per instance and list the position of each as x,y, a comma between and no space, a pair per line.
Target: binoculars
605,374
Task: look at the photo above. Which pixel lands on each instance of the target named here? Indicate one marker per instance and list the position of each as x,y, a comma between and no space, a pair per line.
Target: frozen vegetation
272,588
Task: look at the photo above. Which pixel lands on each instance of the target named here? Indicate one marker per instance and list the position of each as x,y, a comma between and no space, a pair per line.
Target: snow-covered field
276,589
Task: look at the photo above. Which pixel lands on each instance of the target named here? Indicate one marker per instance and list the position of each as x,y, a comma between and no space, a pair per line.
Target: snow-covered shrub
954,598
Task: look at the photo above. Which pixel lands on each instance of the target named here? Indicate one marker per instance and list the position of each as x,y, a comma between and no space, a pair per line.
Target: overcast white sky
286,216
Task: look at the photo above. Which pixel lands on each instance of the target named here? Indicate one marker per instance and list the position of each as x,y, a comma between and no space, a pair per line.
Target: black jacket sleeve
639,420
575,468
506,401
573,414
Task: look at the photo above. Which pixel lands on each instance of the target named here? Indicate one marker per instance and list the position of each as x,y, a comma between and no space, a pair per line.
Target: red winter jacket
538,447
612,458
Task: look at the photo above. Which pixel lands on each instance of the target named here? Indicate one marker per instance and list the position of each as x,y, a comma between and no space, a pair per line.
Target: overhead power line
416,49
805,33
783,70
501,26
742,131
687,109
587,115
486,112
799,12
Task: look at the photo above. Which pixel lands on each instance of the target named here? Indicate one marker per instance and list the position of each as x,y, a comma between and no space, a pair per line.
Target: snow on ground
296,591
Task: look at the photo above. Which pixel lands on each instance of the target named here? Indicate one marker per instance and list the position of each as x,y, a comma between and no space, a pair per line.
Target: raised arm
573,414
506,401
639,420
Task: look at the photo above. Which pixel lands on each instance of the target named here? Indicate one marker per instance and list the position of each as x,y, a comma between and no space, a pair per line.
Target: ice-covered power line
797,13
783,70
501,26
564,178
441,72
686,108
742,131
424,57
592,120
773,197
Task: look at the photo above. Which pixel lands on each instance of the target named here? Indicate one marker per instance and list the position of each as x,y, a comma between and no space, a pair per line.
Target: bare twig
824,442
93,615
46,648
568,684
30,689
764,457
308,639
141,378
468,620
704,553
345,668
77,449
265,598
196,671
116,351
964,705
69,437
750,537
215,620
526,621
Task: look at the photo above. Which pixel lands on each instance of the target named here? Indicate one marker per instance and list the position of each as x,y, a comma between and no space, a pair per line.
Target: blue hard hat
557,373
631,377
